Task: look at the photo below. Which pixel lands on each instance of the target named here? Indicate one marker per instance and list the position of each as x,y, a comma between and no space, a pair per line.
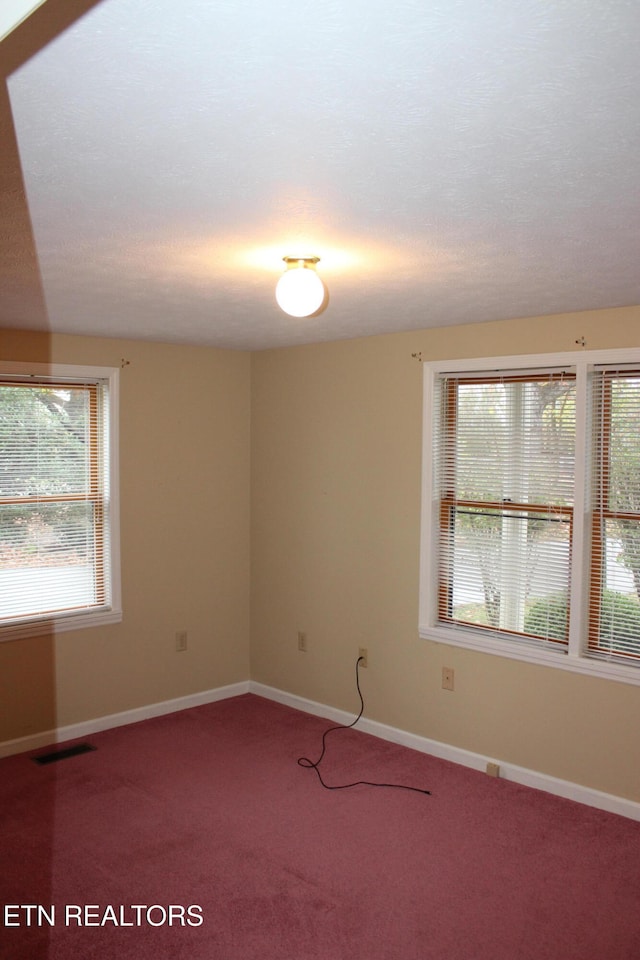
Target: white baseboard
444,751
61,734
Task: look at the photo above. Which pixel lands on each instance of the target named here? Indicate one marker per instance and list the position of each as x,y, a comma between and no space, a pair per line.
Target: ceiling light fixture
300,291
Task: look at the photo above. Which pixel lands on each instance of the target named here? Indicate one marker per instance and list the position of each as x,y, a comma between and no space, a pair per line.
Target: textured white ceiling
450,162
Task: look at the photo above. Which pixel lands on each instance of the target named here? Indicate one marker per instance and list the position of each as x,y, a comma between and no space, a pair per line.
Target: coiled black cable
311,765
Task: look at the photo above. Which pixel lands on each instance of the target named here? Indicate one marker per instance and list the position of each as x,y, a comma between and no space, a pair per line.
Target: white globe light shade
300,291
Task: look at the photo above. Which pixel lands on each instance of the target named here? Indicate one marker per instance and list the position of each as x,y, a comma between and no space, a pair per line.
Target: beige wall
336,463
335,512
184,467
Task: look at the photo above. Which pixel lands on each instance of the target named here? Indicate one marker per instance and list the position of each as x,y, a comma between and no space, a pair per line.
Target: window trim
78,620
574,657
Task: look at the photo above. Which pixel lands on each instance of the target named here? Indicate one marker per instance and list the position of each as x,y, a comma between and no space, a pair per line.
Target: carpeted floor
206,818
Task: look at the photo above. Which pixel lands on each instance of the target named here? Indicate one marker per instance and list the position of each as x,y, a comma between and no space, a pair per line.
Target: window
531,509
58,499
614,622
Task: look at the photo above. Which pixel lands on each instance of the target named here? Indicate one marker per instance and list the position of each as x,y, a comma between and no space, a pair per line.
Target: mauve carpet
208,808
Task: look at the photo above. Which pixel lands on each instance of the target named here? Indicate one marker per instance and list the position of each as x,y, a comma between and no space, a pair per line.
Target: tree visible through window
615,576
532,508
54,499
506,474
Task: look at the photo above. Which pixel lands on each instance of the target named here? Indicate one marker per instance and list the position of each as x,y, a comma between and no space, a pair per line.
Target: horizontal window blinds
505,475
614,608
53,499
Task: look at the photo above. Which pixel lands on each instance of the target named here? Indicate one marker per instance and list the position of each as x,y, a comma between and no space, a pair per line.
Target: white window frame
78,620
575,656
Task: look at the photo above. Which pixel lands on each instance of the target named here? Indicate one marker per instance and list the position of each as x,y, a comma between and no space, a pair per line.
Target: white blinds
614,610
53,499
505,477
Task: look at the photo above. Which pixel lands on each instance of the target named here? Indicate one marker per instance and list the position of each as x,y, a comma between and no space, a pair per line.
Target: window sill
61,624
561,659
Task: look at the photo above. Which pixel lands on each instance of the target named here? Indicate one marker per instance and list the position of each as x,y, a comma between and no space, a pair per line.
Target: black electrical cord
310,765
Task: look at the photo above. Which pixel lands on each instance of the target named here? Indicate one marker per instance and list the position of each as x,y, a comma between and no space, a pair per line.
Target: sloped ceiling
449,162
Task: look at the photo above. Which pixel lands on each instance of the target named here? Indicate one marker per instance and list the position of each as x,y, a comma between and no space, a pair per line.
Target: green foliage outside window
619,620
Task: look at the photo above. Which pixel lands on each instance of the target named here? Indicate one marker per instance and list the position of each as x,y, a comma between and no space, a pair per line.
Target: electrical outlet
493,769
181,640
302,641
447,678
363,655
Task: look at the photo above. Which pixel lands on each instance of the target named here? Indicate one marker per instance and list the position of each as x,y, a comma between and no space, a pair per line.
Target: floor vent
63,754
